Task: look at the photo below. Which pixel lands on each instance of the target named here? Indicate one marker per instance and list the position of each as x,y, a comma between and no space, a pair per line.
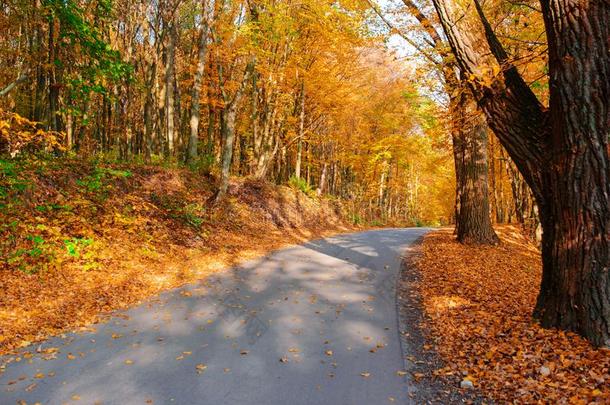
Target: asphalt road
312,324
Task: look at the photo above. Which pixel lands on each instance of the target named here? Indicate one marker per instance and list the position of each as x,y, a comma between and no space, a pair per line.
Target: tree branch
21,79
387,22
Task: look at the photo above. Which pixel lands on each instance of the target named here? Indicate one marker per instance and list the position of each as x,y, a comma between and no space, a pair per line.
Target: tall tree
561,151
197,79
469,134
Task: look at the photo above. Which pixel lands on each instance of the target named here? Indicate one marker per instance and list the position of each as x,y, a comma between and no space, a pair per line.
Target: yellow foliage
18,134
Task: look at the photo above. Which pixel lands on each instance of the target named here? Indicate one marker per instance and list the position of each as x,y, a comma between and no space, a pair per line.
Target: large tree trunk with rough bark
561,151
473,222
575,292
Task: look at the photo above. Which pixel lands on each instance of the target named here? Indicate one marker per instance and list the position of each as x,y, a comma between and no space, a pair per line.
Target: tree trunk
471,226
560,151
195,94
321,186
228,138
473,222
52,77
575,290
227,126
297,166
169,88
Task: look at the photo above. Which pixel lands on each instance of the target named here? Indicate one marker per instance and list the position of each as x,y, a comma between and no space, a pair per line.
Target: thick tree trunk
473,222
561,152
575,290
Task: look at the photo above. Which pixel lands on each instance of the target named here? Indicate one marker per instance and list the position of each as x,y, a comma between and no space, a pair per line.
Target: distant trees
268,89
468,130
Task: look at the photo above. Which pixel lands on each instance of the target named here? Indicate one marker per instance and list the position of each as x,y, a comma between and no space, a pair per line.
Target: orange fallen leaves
478,303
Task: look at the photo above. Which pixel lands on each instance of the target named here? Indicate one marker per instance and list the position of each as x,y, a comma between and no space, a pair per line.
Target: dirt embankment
82,239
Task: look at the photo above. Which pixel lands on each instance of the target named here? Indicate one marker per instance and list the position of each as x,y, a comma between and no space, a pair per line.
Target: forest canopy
307,93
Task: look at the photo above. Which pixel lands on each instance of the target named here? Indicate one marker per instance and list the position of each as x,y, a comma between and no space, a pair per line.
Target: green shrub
97,181
31,260
203,164
299,183
75,246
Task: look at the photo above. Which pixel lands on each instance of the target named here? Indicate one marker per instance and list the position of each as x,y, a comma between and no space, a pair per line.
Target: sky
396,43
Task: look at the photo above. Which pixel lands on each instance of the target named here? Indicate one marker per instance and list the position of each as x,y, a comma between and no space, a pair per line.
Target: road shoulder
420,360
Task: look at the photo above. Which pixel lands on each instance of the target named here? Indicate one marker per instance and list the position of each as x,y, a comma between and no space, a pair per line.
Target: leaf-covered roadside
478,303
80,238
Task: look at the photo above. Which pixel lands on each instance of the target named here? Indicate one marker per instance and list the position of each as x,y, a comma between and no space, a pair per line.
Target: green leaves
74,246
101,64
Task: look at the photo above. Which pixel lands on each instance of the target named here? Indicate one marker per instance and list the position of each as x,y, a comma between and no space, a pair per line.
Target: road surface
312,324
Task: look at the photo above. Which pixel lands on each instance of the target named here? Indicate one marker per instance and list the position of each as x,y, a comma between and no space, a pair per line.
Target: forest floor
478,303
81,239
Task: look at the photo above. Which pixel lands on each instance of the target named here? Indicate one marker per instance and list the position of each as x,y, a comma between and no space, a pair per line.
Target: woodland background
308,93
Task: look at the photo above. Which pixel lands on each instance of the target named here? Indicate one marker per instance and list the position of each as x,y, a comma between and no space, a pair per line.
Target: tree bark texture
562,151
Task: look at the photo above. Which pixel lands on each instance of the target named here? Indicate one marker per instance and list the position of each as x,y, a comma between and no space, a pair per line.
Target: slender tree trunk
229,114
53,87
228,137
170,89
322,184
195,94
297,166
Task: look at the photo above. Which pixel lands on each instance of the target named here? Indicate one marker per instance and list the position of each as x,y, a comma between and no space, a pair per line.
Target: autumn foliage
478,304
79,239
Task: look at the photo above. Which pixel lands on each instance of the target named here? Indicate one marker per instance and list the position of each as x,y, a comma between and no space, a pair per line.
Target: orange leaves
479,301
161,244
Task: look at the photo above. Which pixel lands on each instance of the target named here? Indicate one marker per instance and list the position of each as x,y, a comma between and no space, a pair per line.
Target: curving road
312,324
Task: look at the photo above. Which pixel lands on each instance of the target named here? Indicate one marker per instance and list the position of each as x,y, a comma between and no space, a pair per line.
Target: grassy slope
80,239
